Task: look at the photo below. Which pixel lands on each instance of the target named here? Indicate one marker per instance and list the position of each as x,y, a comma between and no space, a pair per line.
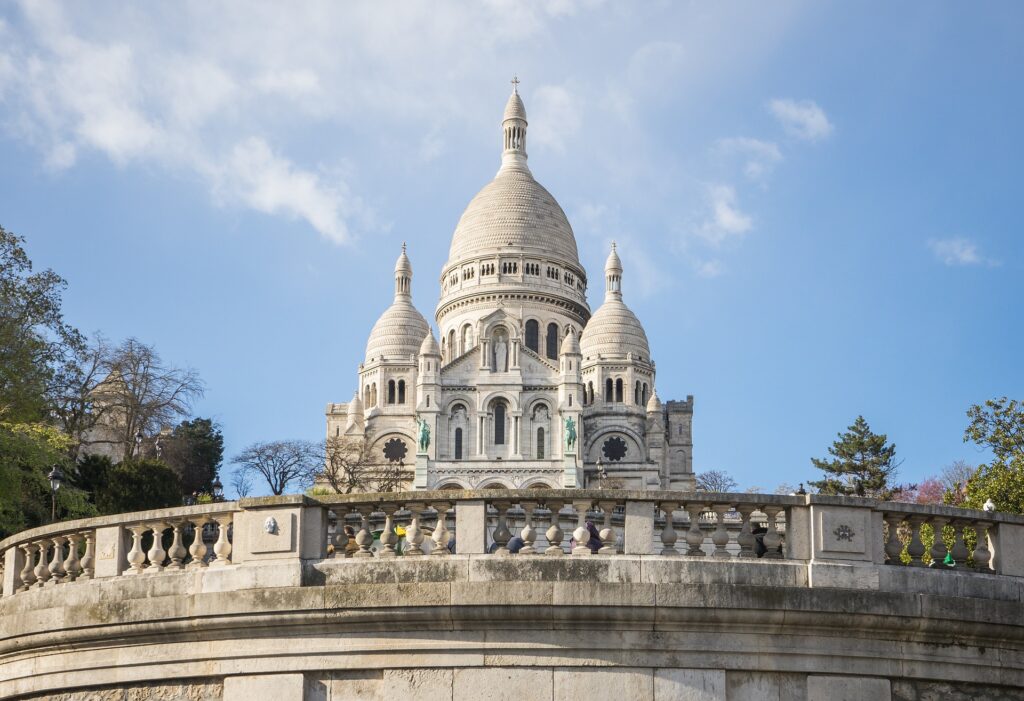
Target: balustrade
530,523
916,536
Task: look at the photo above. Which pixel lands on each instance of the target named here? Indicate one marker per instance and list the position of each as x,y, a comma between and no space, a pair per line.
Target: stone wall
184,690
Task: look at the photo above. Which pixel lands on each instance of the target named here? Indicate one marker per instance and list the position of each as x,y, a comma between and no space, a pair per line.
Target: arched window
643,395
608,390
590,392
552,341
540,443
458,444
366,396
499,423
452,352
467,339
391,391
401,391
570,400
373,394
636,393
618,390
533,335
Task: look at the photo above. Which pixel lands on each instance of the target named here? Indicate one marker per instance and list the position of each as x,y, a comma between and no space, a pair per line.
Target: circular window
615,449
395,450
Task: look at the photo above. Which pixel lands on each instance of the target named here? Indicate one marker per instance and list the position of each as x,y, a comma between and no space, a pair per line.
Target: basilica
524,386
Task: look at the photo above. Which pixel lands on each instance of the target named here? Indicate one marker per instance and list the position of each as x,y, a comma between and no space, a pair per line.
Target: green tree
999,426
195,451
863,464
138,485
36,347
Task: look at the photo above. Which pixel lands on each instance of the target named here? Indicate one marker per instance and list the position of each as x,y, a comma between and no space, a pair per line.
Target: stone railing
147,542
839,536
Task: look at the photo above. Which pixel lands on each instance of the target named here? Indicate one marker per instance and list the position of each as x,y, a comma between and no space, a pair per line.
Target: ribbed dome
569,344
613,332
514,211
514,108
429,345
398,332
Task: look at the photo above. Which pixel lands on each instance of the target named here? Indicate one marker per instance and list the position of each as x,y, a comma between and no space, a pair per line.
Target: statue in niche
570,434
500,354
424,434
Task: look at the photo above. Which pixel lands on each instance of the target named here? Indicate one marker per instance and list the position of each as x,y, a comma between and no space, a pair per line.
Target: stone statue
570,434
424,433
500,355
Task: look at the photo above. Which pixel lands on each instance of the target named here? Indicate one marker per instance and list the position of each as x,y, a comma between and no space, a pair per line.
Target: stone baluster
668,533
441,533
156,553
982,555
501,533
56,566
136,556
607,533
364,539
222,548
893,544
89,558
27,574
746,538
413,534
388,537
554,533
177,551
72,565
772,539
695,536
41,571
340,536
938,550
197,550
582,533
529,533
721,536
959,551
915,548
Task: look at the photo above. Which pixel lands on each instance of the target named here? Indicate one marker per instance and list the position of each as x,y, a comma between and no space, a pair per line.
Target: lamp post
138,443
218,489
56,477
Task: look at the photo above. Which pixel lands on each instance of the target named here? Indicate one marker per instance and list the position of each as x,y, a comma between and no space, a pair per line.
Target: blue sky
817,204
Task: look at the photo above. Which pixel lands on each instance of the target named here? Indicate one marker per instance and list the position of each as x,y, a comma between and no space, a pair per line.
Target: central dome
514,211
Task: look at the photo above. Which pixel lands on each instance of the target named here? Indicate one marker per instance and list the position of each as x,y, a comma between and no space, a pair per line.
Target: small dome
613,332
403,265
398,332
653,404
613,264
429,345
514,108
570,344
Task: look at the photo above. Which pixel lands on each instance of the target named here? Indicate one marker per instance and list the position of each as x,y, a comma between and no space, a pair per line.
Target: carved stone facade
521,363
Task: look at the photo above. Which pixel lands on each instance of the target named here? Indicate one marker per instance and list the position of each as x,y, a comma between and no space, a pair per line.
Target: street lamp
218,489
138,442
56,478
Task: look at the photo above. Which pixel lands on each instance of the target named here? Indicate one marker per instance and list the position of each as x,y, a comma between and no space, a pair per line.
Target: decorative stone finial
515,84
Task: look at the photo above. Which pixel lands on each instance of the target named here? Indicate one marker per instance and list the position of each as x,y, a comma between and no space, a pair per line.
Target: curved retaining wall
275,624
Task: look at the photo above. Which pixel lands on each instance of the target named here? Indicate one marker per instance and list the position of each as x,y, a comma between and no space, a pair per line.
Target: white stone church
527,387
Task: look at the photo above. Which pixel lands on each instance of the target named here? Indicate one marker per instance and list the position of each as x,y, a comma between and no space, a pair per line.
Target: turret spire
613,275
403,275
513,125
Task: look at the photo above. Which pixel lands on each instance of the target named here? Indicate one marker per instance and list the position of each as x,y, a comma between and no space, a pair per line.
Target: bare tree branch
280,463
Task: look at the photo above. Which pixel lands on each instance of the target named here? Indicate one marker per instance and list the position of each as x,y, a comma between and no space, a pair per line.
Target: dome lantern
400,330
513,125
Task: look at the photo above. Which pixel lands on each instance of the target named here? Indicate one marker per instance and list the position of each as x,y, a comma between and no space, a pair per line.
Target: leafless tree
241,482
715,481
350,466
282,464
72,391
127,390
956,473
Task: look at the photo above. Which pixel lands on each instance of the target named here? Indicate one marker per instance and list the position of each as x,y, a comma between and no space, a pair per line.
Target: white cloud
958,251
709,268
759,157
724,219
801,118
555,117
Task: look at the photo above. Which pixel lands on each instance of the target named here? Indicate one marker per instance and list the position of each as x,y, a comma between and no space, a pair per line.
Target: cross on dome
515,84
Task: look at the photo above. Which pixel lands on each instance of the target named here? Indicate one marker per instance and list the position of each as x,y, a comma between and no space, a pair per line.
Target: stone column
470,526
638,538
